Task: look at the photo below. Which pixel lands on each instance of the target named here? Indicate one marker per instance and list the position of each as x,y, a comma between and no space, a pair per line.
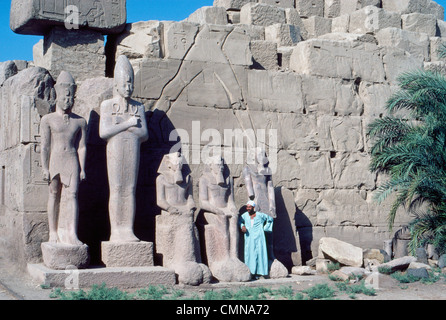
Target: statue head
124,77
217,167
65,91
257,156
172,167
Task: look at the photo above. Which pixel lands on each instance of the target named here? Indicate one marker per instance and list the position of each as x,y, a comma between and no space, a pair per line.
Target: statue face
65,96
175,164
217,168
124,86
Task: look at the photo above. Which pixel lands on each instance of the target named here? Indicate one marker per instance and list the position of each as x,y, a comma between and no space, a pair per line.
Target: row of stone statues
124,127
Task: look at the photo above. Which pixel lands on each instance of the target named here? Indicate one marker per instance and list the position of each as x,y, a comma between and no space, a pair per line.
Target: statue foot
193,273
54,238
74,240
231,270
123,236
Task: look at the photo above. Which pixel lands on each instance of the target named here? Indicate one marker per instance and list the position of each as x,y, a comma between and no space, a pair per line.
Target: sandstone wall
312,73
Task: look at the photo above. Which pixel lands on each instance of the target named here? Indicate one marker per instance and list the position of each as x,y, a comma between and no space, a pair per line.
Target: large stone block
178,37
36,17
264,54
126,278
420,23
293,17
274,91
287,35
279,3
139,40
371,19
412,6
342,252
135,254
397,61
80,52
209,15
58,256
317,26
416,44
261,14
232,4
338,59
309,8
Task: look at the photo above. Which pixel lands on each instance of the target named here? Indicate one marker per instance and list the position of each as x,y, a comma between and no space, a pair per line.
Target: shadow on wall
304,229
94,222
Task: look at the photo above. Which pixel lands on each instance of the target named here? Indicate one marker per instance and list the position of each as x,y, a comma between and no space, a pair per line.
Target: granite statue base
124,278
59,256
127,254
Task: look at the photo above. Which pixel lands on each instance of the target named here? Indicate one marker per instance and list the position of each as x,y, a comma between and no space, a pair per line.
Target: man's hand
244,230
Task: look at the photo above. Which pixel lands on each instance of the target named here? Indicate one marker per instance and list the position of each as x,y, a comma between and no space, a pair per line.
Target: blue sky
19,47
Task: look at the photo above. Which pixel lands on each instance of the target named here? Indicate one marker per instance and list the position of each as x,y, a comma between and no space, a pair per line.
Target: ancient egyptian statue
176,234
63,158
221,223
259,184
63,161
123,125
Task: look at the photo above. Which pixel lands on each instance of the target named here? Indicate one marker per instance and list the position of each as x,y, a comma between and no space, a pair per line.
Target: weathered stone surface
338,274
371,19
264,54
397,61
283,34
420,23
420,273
279,3
376,254
62,50
309,8
303,270
36,17
338,59
232,4
353,271
124,254
412,6
7,70
278,270
126,278
442,261
179,37
59,256
417,44
400,263
261,14
210,15
317,26
342,252
341,24
293,18
140,40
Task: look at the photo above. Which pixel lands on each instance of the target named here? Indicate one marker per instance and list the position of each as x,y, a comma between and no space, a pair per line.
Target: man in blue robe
254,225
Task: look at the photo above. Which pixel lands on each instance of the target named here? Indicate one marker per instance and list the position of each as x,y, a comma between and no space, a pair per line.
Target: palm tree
411,150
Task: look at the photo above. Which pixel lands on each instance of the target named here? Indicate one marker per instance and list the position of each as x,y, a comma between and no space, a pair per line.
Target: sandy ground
15,285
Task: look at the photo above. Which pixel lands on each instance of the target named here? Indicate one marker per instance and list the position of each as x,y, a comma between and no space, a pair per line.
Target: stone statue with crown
63,158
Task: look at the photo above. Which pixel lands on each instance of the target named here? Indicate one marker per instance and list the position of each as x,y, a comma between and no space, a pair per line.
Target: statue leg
72,213
233,236
53,209
122,214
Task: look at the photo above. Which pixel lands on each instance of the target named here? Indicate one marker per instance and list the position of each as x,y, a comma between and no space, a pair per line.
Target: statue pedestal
59,256
127,254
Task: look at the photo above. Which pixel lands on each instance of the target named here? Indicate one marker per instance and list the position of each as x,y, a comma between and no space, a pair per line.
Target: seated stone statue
221,223
176,235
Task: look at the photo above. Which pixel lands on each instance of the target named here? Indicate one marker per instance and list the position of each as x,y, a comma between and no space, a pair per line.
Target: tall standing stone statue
221,232
259,184
176,234
63,160
123,125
